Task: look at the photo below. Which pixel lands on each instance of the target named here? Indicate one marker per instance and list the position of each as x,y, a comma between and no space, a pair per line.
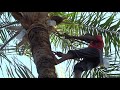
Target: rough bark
38,37
41,50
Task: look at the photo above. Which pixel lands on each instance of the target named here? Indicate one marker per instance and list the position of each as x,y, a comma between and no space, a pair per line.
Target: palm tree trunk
38,37
41,50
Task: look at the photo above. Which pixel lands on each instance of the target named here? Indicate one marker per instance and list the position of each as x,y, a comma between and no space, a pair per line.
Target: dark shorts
86,65
90,58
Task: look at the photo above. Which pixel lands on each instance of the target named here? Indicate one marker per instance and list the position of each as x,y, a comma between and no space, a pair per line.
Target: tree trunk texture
38,37
41,50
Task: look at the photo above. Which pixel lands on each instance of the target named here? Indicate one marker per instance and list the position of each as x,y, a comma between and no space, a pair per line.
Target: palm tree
40,36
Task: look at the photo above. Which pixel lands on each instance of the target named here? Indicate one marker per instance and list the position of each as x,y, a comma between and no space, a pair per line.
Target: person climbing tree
91,55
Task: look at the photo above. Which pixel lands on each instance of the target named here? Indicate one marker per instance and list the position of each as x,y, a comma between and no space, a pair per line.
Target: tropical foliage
76,23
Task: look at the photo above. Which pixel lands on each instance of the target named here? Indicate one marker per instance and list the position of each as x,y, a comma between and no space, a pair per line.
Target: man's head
58,19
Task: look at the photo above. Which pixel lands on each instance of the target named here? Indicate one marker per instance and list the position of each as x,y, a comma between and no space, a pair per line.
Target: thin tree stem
10,39
2,26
